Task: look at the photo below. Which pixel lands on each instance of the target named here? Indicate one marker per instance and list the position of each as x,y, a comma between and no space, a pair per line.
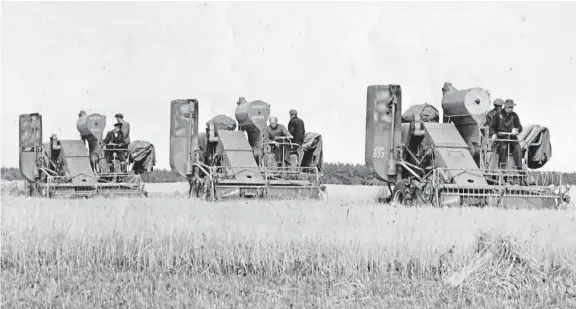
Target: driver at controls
276,133
115,140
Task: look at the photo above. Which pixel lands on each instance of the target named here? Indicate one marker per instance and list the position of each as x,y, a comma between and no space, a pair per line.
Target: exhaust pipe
391,161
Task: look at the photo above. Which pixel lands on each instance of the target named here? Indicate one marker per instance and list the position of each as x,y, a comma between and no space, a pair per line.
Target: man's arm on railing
286,132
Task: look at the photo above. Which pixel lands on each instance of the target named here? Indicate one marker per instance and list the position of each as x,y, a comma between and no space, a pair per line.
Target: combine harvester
455,162
67,169
223,163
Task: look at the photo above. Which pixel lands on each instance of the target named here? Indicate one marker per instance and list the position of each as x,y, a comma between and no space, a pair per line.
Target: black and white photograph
288,154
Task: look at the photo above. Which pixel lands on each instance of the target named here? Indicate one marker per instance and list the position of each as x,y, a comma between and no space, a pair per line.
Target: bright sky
134,58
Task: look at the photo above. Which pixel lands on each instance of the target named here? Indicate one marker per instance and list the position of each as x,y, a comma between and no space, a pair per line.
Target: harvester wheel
42,191
399,193
426,194
195,187
31,190
190,187
323,193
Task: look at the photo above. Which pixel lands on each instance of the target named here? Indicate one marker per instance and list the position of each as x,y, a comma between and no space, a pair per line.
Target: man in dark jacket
296,128
497,109
125,127
507,121
116,136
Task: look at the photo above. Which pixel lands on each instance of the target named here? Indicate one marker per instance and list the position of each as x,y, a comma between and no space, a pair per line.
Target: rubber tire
196,187
398,191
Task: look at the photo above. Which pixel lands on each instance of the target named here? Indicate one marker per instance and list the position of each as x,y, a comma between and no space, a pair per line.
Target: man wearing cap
274,133
507,121
497,108
125,127
296,127
116,137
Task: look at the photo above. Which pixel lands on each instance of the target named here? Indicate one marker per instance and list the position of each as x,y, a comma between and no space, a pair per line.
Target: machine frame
67,169
449,163
233,165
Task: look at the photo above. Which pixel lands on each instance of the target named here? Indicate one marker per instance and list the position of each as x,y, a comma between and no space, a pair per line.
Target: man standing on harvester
296,128
497,109
489,115
276,133
116,138
125,127
507,121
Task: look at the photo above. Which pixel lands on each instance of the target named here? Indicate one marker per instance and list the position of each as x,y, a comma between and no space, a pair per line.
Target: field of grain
336,193
344,253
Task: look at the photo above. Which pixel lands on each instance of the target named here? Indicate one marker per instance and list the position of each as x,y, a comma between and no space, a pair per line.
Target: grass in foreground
177,253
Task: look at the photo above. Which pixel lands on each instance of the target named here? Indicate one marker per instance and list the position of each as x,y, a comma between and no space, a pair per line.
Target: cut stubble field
180,253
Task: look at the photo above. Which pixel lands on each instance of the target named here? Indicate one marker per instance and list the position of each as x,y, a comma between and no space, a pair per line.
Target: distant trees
334,173
11,173
348,174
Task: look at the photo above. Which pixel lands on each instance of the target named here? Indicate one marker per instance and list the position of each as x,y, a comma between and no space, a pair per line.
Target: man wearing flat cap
507,121
490,114
296,128
125,127
497,108
115,137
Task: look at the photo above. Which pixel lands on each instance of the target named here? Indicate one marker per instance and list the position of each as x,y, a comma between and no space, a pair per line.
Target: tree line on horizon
334,173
